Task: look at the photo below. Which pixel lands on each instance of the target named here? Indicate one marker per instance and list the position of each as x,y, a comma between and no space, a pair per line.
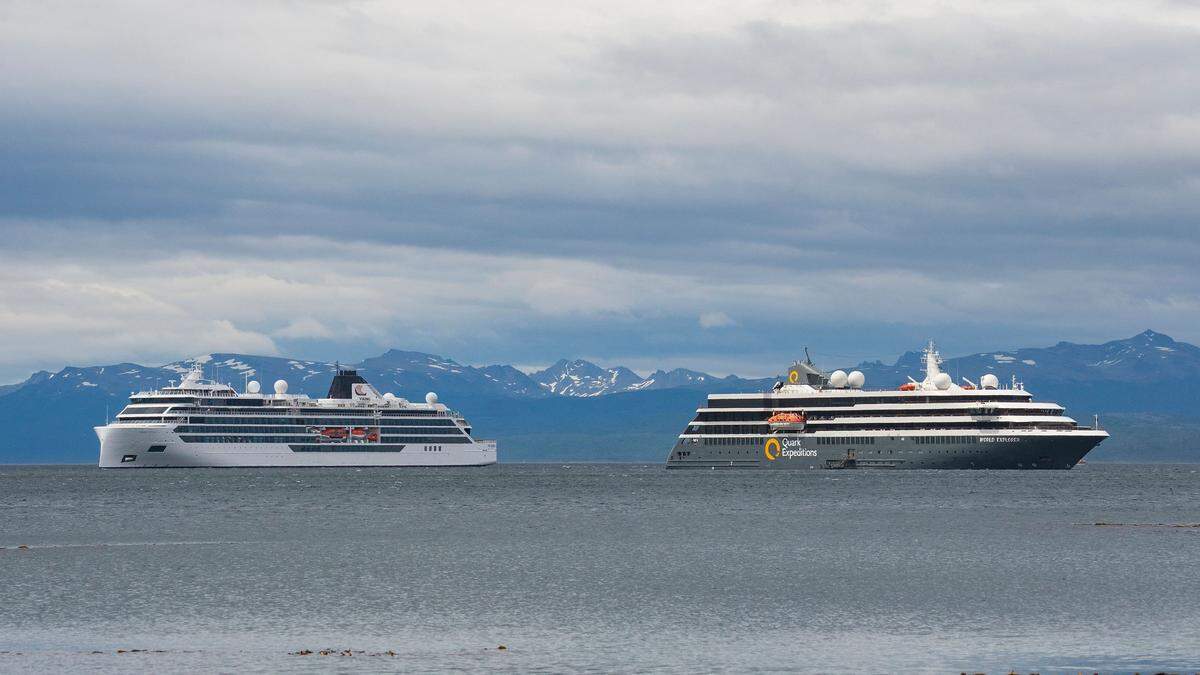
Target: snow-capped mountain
1147,357
679,377
411,373
115,380
584,378
693,379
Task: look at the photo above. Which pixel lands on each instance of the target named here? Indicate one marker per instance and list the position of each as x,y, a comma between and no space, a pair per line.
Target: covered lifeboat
786,421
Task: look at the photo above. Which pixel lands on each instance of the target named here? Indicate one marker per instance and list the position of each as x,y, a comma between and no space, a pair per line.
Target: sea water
601,567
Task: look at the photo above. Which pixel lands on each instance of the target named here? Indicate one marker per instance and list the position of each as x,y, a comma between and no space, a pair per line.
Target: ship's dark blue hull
1061,450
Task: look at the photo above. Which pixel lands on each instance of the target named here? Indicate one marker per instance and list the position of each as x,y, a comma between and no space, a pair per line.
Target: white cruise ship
815,421
201,423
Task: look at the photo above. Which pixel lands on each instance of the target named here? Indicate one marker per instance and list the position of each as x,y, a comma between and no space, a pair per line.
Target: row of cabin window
761,417
717,429
206,438
322,421
851,440
292,429
732,441
224,403
1065,424
312,410
769,403
1043,412
969,424
848,440
156,410
349,447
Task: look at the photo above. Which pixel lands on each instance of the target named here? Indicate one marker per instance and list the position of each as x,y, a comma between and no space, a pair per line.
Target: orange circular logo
771,449
794,377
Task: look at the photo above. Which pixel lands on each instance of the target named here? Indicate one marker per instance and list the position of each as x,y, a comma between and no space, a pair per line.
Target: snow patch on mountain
584,378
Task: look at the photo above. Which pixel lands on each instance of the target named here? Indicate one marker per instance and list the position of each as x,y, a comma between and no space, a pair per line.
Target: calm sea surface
599,568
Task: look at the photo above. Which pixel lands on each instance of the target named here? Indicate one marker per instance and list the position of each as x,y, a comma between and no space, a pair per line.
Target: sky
702,184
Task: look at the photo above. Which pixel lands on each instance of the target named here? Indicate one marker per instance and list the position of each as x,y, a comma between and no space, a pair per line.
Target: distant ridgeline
1144,388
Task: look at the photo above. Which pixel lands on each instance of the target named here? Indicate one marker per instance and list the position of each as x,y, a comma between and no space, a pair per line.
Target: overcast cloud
703,184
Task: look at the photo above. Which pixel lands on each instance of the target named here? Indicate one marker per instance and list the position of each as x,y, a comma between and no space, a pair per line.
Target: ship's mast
932,361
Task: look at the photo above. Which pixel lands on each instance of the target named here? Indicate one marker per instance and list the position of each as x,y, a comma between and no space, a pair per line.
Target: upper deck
822,403
349,396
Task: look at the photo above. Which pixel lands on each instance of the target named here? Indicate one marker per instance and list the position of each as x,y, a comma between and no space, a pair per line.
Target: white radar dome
253,387
431,398
281,387
942,381
389,396
856,379
989,381
837,379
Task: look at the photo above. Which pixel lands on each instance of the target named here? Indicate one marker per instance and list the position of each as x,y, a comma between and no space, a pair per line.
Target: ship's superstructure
203,423
811,420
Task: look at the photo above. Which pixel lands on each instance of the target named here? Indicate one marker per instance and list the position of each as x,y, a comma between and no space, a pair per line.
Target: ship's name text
794,447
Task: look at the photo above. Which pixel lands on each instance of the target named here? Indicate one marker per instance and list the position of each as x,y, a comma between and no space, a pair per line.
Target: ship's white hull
129,447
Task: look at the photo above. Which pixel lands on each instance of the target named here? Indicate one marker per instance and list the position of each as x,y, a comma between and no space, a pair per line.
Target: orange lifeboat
334,432
358,432
373,436
909,386
786,421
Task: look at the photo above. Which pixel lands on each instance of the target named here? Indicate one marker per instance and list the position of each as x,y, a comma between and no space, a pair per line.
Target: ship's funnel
343,383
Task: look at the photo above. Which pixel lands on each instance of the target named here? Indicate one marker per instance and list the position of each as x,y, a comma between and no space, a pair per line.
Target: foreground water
599,567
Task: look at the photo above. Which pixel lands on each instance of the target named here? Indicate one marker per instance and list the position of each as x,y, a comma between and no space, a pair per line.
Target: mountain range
402,372
1145,387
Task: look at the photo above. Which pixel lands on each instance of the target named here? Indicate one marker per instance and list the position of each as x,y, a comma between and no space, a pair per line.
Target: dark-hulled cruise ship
817,421
204,423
